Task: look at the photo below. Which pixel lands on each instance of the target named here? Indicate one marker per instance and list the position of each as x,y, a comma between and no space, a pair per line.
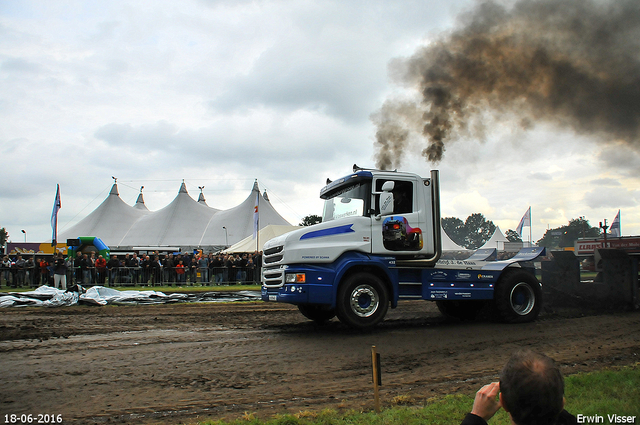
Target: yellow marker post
375,361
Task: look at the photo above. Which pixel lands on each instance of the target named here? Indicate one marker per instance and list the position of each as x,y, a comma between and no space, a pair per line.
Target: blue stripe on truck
328,232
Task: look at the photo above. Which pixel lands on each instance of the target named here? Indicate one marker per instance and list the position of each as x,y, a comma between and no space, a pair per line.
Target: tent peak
114,190
255,186
140,200
264,195
183,188
201,199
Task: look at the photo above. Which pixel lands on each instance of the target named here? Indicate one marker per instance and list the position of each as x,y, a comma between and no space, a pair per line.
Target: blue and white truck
379,242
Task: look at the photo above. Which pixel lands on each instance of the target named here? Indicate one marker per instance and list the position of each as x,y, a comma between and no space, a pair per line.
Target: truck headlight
295,278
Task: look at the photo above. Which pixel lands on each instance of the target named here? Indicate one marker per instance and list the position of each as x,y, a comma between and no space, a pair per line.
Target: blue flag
54,217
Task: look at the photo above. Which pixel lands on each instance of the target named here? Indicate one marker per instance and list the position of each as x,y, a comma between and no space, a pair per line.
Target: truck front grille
274,250
272,255
273,277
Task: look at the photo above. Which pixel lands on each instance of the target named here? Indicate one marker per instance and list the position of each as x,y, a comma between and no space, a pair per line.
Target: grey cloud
235,143
612,198
541,176
605,182
330,59
621,158
289,81
20,66
152,136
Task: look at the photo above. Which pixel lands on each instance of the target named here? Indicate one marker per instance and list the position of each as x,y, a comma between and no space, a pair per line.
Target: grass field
602,393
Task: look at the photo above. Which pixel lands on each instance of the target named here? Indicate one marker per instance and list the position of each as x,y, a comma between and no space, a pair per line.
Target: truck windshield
347,202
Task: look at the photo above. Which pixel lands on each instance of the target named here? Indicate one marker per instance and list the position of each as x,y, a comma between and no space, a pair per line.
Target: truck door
400,233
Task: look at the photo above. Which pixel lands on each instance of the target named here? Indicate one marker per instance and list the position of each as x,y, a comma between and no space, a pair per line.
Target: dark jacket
60,266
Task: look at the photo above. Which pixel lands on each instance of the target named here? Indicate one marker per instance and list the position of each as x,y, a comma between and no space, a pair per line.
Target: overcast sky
220,93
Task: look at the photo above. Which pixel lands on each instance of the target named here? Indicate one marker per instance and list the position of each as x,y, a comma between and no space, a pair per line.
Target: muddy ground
181,363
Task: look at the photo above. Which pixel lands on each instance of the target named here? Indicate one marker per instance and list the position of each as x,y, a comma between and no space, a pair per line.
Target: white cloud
221,93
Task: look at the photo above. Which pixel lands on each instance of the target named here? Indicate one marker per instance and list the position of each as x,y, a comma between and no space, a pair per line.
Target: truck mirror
386,202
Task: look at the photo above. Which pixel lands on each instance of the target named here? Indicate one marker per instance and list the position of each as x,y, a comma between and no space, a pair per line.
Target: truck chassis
359,288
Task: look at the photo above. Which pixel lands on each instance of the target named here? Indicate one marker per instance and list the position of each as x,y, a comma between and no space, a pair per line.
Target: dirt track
187,362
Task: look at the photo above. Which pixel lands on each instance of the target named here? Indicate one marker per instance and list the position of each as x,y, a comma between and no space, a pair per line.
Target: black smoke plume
573,63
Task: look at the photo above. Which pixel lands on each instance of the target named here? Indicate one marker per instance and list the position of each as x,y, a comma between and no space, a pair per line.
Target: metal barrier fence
132,276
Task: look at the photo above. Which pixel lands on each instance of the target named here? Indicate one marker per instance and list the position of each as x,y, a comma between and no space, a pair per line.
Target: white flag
615,226
524,222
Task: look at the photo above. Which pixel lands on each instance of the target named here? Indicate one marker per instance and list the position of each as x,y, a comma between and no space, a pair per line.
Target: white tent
230,226
183,223
448,244
248,244
110,221
497,240
139,205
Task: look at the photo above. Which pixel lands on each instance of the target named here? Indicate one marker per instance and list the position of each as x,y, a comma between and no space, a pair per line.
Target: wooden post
375,361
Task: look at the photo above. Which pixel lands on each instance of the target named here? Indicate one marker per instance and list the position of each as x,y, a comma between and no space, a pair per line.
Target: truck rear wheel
362,301
518,296
318,313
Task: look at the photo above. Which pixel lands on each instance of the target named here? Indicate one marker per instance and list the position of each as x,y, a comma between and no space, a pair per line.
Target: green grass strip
605,392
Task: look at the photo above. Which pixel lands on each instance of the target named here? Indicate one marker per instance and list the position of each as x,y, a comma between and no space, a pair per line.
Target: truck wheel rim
364,301
522,299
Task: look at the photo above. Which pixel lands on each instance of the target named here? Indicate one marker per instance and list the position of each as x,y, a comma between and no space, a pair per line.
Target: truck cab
379,241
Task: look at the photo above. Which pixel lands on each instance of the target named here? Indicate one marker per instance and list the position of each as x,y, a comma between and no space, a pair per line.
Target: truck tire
362,301
461,310
318,313
517,296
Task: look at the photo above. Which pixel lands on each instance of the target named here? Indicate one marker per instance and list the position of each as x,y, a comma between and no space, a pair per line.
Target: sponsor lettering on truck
379,242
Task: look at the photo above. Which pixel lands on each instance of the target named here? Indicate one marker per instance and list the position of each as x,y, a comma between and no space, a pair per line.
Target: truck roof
360,175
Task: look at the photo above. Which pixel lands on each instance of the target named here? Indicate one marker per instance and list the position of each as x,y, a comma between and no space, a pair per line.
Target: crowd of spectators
131,269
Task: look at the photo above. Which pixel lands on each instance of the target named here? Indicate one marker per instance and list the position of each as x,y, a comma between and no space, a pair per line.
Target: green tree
512,236
3,236
310,220
472,233
566,236
479,230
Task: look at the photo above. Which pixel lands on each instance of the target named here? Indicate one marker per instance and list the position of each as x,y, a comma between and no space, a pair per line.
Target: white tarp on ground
46,296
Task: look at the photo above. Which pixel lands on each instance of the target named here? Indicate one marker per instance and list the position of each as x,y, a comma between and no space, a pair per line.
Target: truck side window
402,195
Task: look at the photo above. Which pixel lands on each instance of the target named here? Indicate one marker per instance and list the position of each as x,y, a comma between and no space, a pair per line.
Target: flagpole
530,228
258,221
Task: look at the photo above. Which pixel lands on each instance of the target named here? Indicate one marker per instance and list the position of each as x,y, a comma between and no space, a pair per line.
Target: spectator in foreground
531,390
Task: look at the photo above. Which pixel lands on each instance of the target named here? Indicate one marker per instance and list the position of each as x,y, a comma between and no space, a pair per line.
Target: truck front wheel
362,301
318,313
518,296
